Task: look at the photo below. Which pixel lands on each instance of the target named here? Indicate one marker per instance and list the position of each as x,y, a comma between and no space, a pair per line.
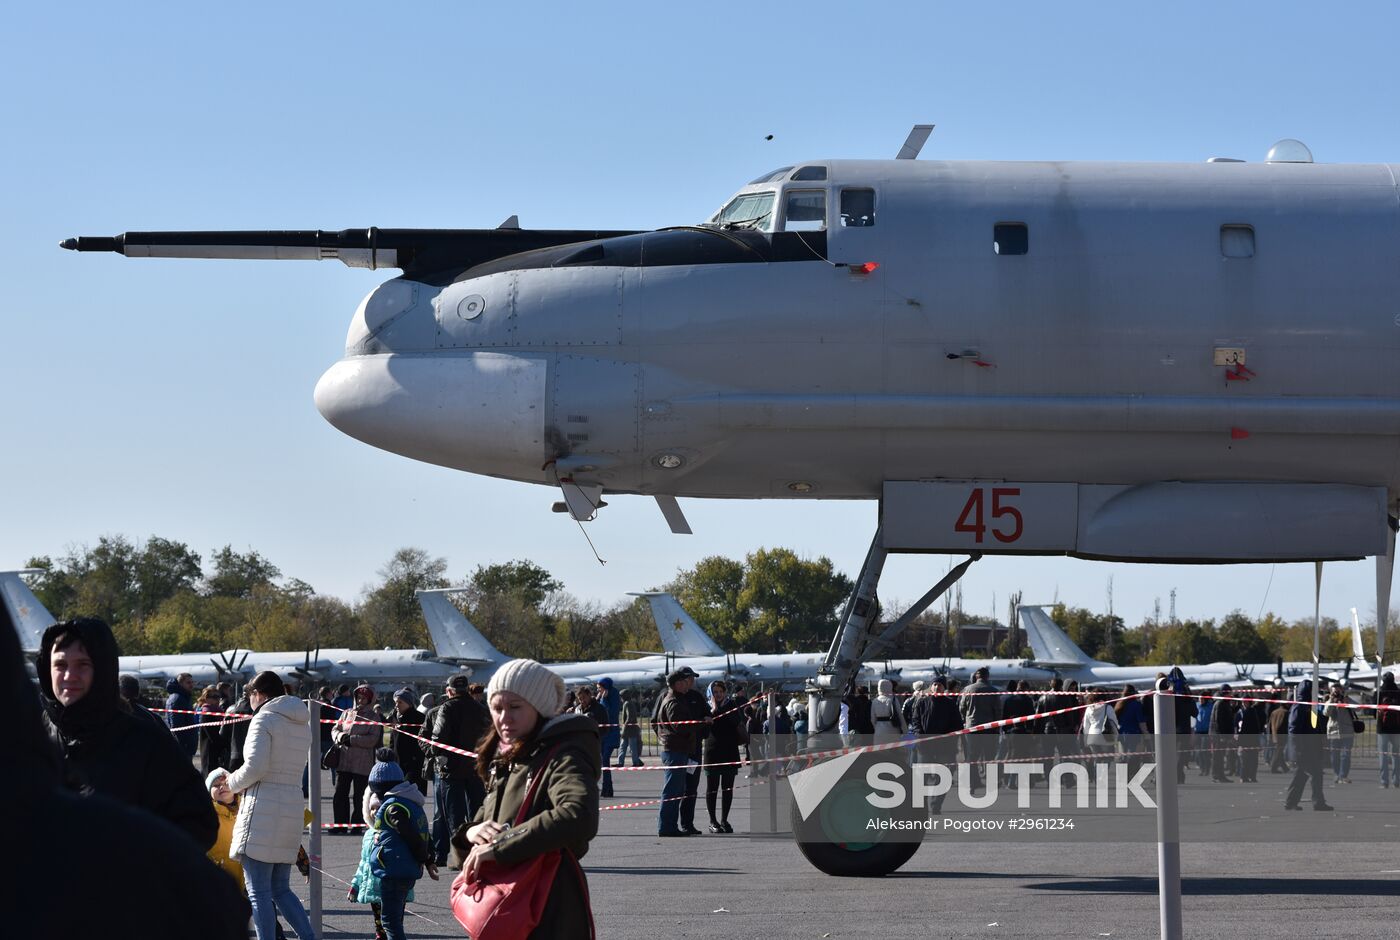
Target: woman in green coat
529,737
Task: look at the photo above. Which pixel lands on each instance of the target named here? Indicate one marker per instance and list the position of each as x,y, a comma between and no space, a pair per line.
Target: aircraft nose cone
481,412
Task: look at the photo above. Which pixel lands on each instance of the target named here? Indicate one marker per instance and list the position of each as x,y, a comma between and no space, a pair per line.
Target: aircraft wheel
849,850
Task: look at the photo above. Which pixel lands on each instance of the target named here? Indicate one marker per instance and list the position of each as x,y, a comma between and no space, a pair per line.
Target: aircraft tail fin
454,636
29,616
1048,642
1358,652
680,634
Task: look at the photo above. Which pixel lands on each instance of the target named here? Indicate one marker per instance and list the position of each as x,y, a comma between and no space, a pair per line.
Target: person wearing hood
885,713
1388,731
267,832
1307,731
359,732
1186,713
178,705
532,744
611,735
57,830
107,749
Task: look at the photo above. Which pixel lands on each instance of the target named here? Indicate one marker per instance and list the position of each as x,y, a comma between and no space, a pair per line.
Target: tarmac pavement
761,887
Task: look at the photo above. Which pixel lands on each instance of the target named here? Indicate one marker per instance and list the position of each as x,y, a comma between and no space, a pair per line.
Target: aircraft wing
679,632
415,251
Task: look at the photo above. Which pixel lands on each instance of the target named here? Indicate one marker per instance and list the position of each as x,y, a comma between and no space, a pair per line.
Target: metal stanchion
1168,824
313,790
772,765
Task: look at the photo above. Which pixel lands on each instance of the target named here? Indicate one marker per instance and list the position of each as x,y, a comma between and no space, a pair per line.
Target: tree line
160,596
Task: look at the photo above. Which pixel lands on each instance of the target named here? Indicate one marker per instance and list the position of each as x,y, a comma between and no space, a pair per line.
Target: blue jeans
449,812
672,789
1389,747
393,895
270,893
633,744
1341,757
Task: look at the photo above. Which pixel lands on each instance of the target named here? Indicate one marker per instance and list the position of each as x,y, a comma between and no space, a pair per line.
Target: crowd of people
518,768
515,772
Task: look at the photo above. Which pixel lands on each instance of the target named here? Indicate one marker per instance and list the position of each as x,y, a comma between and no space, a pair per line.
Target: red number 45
972,518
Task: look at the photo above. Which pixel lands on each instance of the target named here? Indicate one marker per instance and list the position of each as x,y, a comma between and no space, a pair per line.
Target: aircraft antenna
590,542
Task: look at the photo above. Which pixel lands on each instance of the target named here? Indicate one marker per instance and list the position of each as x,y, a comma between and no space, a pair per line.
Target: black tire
873,862
848,849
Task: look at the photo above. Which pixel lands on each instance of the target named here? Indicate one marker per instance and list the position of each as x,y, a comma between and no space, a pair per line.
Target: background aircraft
786,668
381,668
466,645
1053,649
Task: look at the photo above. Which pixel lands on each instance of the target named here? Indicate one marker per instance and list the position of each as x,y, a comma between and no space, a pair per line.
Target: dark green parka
564,814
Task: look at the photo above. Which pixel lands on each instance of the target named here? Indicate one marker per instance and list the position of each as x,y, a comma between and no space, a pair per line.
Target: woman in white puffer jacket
270,814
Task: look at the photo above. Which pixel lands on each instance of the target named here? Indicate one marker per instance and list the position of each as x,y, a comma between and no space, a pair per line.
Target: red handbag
506,902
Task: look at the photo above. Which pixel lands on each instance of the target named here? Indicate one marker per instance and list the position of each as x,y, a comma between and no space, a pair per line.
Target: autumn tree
390,611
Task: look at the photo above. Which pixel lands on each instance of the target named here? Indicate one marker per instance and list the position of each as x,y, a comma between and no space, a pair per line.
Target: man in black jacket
105,849
937,714
1307,731
106,749
461,722
1222,736
678,723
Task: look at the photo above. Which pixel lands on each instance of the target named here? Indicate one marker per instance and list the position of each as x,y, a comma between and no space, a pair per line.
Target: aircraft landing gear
824,839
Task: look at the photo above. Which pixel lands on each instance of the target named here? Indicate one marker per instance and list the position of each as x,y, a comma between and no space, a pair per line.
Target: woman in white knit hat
532,740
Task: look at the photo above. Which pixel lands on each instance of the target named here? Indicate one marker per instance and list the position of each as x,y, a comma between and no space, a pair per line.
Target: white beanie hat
213,778
531,681
886,687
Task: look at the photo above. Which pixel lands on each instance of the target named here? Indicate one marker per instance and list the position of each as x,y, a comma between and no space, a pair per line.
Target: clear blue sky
174,398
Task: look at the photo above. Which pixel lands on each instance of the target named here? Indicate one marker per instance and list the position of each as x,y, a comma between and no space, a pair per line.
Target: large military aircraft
677,628
381,668
1053,649
1188,363
451,629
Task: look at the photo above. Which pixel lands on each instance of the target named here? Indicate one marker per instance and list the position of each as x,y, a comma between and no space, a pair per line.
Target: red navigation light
866,268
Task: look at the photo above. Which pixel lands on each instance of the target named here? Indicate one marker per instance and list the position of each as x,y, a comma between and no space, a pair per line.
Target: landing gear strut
842,853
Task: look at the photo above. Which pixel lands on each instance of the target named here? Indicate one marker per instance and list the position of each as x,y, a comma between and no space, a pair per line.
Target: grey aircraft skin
1149,362
1170,342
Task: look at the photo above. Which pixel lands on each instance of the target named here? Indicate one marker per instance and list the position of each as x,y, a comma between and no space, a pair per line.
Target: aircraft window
857,207
1237,241
809,174
748,210
772,176
1011,238
804,210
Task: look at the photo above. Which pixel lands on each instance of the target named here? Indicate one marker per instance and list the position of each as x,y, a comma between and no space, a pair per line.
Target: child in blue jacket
396,848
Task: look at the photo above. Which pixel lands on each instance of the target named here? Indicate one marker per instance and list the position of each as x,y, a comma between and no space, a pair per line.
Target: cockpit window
809,174
748,210
772,176
857,207
804,210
